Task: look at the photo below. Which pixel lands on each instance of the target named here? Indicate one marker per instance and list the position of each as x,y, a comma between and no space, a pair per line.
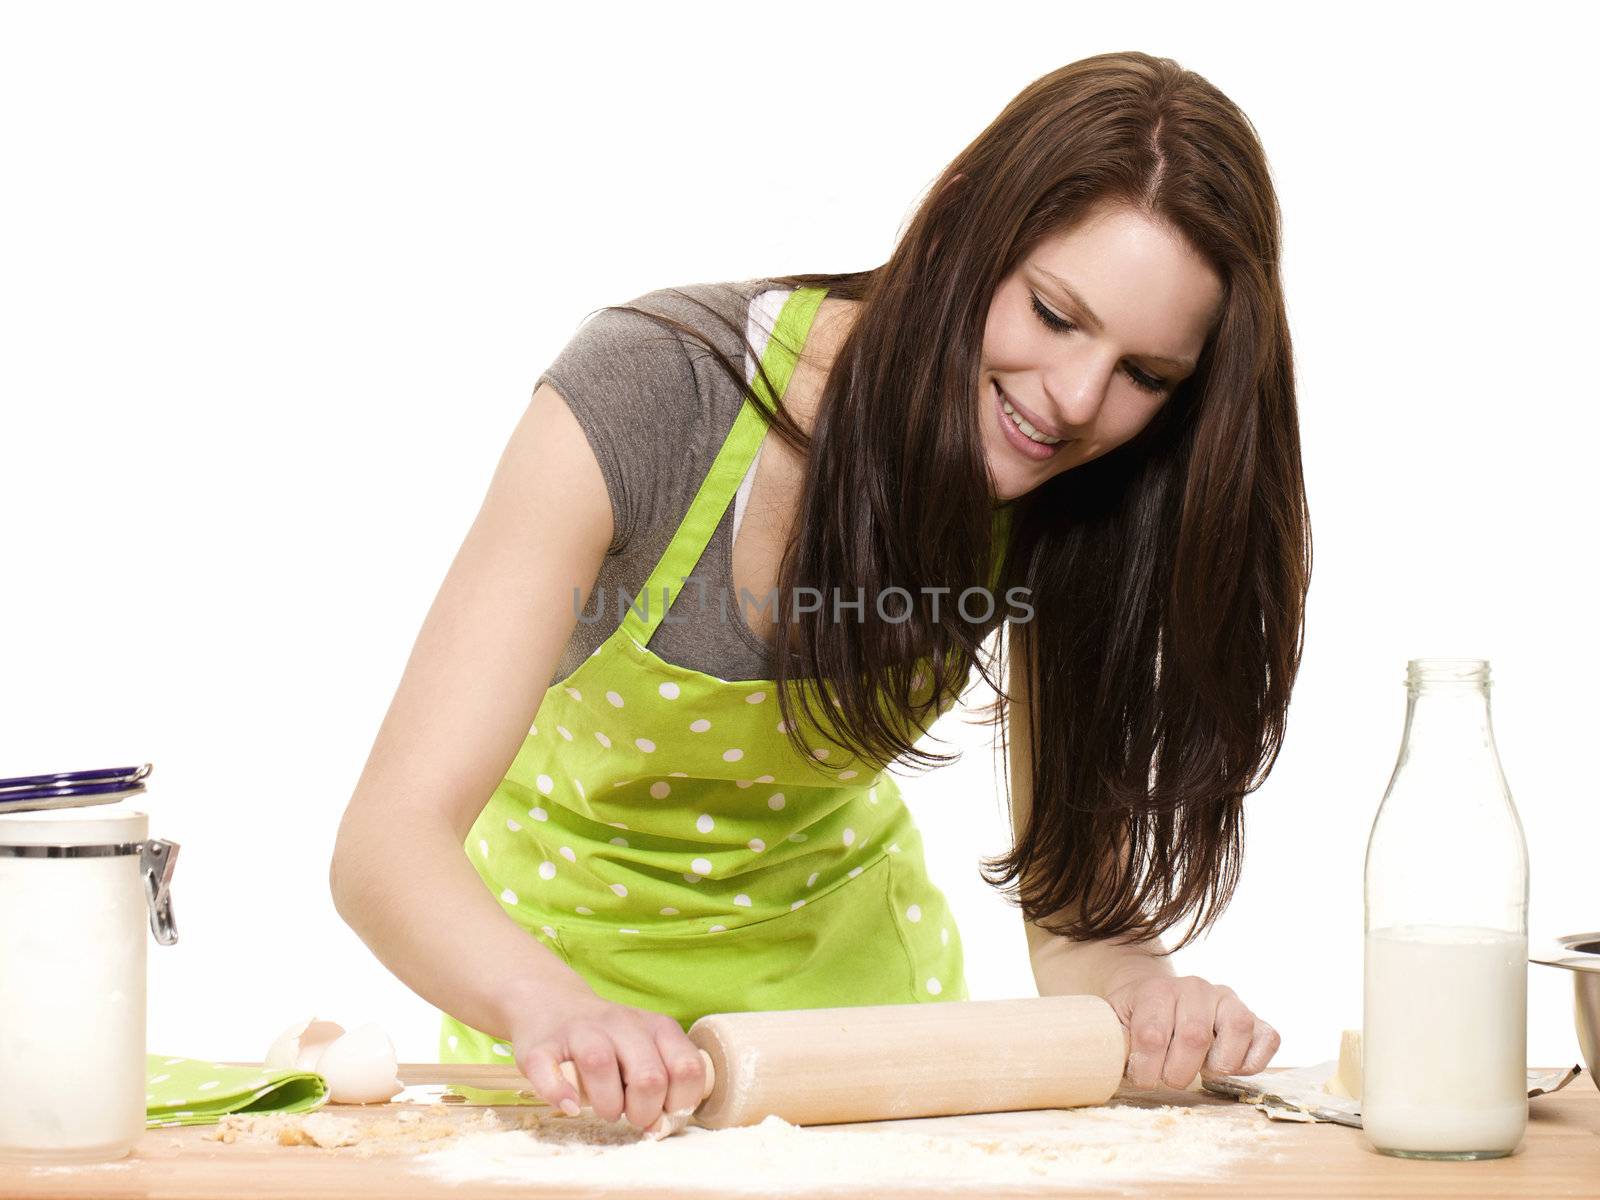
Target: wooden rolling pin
823,1066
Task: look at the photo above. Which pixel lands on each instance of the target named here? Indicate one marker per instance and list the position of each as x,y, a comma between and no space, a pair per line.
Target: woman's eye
1048,317
1148,383
1145,382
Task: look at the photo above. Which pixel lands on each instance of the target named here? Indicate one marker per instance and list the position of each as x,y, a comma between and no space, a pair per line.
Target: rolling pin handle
711,1075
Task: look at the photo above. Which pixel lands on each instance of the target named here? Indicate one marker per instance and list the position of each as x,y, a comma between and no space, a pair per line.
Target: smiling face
1085,340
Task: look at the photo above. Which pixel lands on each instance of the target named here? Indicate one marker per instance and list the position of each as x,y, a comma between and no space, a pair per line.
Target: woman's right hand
630,1061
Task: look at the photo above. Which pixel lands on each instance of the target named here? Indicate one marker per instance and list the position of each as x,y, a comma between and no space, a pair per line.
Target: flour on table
1088,1146
407,1133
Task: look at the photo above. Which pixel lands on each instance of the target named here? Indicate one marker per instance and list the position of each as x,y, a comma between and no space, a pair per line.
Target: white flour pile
1089,1147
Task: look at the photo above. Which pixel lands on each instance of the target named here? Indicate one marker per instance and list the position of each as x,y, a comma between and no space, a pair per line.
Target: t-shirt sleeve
631,385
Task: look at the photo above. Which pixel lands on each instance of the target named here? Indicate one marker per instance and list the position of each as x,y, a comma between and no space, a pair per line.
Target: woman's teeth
1028,431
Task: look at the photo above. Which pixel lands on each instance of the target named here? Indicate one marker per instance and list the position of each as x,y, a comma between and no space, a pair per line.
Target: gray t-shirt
656,408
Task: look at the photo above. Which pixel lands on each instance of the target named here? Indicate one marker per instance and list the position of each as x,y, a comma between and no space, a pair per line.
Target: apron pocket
929,938
841,948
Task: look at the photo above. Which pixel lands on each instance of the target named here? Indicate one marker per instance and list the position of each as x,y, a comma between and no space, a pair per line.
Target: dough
1346,1081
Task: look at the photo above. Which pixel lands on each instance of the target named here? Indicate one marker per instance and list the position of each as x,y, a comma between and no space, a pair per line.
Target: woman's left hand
1176,1026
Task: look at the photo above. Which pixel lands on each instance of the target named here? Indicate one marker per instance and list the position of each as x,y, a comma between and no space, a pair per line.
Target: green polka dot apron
661,833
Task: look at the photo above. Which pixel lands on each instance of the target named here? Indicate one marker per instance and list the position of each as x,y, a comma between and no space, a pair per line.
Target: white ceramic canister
78,887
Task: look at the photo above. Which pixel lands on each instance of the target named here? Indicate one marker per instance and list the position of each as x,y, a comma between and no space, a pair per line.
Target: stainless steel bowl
1580,954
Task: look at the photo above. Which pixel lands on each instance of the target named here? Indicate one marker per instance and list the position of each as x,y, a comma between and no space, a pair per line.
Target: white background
278,280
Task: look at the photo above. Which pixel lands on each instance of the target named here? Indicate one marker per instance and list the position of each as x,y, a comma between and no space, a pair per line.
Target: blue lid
70,789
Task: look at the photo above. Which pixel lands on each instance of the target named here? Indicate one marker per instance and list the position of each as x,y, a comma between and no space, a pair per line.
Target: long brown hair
1167,577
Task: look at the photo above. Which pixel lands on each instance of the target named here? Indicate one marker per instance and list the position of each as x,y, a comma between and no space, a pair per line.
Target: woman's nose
1077,393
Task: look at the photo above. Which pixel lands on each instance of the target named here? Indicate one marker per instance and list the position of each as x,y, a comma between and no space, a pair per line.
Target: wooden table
1560,1157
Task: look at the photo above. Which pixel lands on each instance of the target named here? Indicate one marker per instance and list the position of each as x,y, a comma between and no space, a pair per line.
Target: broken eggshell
298,1047
359,1067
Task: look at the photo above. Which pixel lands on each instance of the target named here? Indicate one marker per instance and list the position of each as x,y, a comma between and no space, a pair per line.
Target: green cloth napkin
191,1091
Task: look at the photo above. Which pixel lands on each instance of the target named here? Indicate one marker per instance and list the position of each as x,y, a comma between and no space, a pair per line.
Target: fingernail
569,1106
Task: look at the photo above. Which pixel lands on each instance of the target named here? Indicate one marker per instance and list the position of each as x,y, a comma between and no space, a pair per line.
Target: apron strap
717,490
1001,526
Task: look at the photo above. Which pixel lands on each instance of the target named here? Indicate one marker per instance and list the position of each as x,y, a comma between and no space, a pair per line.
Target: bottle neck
1447,849
1452,718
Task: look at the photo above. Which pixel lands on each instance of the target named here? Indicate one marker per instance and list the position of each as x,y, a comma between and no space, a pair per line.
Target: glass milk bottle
1444,1046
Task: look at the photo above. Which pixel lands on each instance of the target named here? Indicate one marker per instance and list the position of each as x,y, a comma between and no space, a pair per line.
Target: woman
1071,382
